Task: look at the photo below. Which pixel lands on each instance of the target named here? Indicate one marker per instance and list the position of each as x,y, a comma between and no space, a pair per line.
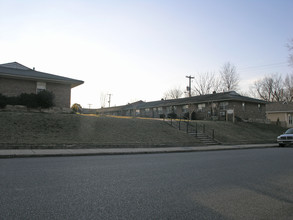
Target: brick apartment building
217,106
16,78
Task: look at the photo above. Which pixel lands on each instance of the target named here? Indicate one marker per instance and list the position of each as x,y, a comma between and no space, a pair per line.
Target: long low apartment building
216,106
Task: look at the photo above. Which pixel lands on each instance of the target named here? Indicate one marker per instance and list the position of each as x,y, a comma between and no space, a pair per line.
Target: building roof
278,107
19,71
215,97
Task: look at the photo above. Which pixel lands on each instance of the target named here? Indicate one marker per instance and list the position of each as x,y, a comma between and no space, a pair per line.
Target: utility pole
109,99
188,88
90,105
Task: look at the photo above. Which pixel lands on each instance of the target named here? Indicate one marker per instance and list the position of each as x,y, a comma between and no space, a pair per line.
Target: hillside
74,131
240,132
41,130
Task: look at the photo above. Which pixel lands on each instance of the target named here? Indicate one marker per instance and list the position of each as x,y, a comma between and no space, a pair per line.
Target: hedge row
43,99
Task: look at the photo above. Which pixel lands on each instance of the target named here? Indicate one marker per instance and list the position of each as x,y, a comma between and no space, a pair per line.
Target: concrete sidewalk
12,153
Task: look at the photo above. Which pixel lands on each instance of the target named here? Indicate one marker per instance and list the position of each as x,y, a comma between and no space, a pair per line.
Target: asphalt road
236,184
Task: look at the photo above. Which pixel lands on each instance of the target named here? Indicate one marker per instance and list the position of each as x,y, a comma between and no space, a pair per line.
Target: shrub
172,115
3,101
45,99
76,108
186,115
12,100
29,100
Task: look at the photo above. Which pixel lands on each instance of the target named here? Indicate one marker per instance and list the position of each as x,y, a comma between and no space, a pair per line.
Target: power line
263,66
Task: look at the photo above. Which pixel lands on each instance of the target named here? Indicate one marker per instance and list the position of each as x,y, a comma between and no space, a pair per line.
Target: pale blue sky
137,50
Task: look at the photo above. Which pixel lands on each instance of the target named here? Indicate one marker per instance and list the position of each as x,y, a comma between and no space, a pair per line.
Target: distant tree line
271,88
274,88
43,99
208,82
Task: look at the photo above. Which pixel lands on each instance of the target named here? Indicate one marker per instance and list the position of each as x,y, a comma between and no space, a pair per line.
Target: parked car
286,138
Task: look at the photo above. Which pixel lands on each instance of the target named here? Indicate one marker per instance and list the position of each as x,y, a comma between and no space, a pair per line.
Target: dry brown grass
241,132
70,130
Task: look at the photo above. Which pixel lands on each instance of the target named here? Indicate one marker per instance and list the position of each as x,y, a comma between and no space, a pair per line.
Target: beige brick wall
14,87
249,111
62,94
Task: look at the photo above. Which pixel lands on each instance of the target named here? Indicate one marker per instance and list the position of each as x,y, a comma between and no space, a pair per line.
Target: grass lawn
18,130
41,130
241,132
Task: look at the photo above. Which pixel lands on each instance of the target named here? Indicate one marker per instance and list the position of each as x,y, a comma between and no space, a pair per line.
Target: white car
286,138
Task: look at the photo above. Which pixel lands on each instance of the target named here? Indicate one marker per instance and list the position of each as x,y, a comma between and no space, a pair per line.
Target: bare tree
270,88
288,87
174,93
206,83
229,77
290,48
103,99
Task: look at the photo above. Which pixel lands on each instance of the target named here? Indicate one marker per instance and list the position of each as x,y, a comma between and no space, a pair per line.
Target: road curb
124,151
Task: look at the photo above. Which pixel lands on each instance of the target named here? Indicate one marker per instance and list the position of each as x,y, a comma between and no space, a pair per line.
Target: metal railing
191,127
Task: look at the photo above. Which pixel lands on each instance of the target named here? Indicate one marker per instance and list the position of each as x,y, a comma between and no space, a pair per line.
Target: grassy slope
241,132
38,128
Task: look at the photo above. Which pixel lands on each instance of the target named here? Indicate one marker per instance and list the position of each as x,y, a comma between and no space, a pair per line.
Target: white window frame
290,121
41,86
201,106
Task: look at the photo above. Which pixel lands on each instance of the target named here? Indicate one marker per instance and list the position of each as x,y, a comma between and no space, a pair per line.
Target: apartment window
160,110
259,107
201,106
169,109
185,108
222,113
290,119
223,105
41,86
147,110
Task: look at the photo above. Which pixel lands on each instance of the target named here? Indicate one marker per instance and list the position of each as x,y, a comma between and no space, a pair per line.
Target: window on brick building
223,105
160,110
41,86
201,106
185,108
290,119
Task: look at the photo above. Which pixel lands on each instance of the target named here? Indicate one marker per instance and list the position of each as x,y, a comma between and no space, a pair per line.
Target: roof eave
73,83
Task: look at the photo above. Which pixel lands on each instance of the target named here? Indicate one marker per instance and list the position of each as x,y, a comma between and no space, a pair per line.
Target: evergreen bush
43,99
3,101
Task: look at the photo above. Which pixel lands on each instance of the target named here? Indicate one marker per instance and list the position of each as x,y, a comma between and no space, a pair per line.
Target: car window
289,131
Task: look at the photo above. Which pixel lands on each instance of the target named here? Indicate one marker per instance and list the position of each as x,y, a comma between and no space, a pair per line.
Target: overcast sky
137,50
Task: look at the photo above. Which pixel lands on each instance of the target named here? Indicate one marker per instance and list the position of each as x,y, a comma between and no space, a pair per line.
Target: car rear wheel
281,145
